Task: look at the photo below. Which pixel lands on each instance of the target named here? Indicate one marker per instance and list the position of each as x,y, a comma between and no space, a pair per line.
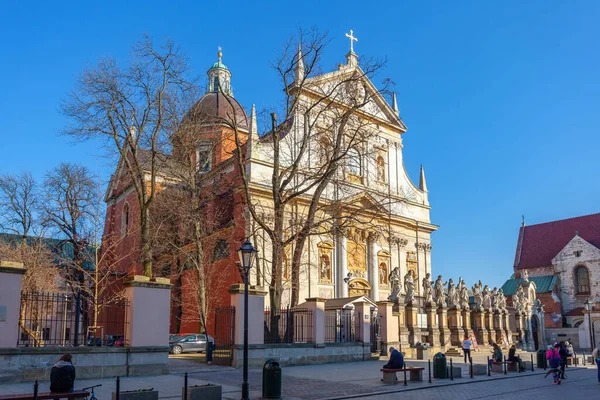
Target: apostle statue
519,300
428,289
439,295
487,297
525,276
477,297
452,294
409,286
395,284
501,300
464,295
495,299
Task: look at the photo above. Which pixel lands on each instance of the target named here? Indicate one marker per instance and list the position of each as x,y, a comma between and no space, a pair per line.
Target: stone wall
28,364
302,354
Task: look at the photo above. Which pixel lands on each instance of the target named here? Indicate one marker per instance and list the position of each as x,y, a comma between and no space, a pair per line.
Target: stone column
498,331
389,326
506,326
256,313
432,326
317,306
149,311
411,312
343,260
373,249
456,329
445,336
466,320
489,325
11,277
481,332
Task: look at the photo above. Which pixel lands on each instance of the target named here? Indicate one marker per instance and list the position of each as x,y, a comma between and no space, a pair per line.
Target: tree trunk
201,292
146,243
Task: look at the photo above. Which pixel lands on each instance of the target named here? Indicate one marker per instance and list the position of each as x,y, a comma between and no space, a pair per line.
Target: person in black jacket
562,351
396,360
62,375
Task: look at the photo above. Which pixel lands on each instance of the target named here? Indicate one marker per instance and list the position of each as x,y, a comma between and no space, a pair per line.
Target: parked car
190,343
114,340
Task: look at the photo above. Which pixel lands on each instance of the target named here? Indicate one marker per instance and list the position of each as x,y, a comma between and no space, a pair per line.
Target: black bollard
505,366
583,359
405,384
35,390
118,391
185,386
429,368
471,367
532,363
451,371
489,367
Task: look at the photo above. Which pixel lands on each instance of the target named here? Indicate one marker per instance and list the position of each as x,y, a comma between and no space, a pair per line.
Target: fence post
77,317
405,384
185,386
316,307
35,390
451,371
471,367
429,369
11,277
505,366
489,367
532,363
118,389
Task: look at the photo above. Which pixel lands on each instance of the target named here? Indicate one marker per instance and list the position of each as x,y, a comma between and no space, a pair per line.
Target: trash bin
210,347
439,366
541,359
271,388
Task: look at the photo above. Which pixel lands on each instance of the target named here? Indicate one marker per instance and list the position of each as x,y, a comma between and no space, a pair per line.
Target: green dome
219,64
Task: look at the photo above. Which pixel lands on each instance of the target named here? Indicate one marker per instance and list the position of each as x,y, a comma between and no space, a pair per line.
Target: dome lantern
219,77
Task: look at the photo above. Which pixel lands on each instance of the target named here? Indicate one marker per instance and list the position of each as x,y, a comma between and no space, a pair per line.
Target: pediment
577,244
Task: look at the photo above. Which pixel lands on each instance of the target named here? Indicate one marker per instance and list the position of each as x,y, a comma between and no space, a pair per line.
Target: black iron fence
341,326
224,335
375,332
288,325
65,319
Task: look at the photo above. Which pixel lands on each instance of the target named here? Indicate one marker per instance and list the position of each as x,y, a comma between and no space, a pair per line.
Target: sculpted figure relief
477,296
395,284
439,296
409,286
487,297
452,294
428,288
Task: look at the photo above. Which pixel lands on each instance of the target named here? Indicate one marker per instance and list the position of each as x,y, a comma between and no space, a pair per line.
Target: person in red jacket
62,375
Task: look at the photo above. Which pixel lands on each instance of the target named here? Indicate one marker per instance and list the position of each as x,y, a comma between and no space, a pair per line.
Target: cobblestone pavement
345,380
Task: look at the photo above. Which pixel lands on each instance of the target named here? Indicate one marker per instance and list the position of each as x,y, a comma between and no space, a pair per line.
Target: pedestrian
554,362
466,345
562,352
496,355
396,360
596,356
62,375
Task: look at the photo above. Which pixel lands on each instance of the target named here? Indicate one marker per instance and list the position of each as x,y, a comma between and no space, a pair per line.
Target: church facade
379,229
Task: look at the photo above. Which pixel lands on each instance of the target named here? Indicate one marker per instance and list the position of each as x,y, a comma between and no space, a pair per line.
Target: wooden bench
389,375
77,394
511,366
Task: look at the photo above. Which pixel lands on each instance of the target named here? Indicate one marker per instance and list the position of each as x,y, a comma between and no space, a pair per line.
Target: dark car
195,343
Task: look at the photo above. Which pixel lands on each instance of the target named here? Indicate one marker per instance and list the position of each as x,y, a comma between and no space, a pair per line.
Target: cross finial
352,39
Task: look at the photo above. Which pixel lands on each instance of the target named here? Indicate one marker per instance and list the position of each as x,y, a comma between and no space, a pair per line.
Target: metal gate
224,332
375,332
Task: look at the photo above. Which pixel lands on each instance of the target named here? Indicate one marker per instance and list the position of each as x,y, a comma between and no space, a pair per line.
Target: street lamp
589,306
246,253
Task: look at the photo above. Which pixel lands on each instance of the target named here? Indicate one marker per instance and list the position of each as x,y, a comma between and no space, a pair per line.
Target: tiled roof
538,244
543,284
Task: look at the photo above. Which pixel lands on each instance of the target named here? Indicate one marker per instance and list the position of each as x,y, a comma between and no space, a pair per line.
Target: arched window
125,220
216,84
380,169
582,280
221,250
203,156
354,162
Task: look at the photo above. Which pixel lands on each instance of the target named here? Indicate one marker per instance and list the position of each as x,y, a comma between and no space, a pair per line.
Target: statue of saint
409,286
452,294
487,297
502,300
519,300
495,299
464,296
439,295
525,276
428,289
477,297
396,285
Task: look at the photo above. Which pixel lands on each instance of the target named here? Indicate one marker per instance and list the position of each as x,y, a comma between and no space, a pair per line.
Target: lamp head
246,253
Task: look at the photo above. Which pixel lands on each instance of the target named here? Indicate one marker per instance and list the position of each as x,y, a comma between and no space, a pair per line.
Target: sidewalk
324,381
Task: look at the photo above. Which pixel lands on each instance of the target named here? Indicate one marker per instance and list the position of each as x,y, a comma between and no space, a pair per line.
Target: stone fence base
302,354
30,363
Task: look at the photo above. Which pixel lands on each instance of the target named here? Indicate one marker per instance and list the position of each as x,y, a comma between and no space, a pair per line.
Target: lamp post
246,253
589,306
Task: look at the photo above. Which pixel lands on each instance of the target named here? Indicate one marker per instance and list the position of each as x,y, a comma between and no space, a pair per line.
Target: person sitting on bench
396,360
62,375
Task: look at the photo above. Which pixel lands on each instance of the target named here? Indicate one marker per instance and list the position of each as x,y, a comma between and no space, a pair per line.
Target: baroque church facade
390,230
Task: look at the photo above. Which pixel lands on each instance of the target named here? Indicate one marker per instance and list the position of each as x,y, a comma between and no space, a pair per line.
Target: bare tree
134,110
324,128
18,203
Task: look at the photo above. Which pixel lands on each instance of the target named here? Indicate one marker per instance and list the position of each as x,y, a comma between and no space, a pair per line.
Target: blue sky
501,98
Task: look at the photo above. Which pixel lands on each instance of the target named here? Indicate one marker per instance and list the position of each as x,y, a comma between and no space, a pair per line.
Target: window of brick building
582,280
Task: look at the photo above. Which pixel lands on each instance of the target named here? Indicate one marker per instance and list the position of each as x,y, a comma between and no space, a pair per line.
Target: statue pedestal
498,327
481,333
456,329
521,331
445,335
466,319
414,334
506,323
432,326
489,325
402,330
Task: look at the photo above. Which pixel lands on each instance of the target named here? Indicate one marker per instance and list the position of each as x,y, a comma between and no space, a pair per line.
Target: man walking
466,345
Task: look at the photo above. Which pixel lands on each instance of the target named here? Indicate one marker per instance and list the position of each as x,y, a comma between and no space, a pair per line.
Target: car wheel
177,350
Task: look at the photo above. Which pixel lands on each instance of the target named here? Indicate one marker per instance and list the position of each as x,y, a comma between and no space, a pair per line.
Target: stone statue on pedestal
428,289
477,297
452,294
501,300
495,299
409,286
395,284
519,300
439,296
487,297
464,295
